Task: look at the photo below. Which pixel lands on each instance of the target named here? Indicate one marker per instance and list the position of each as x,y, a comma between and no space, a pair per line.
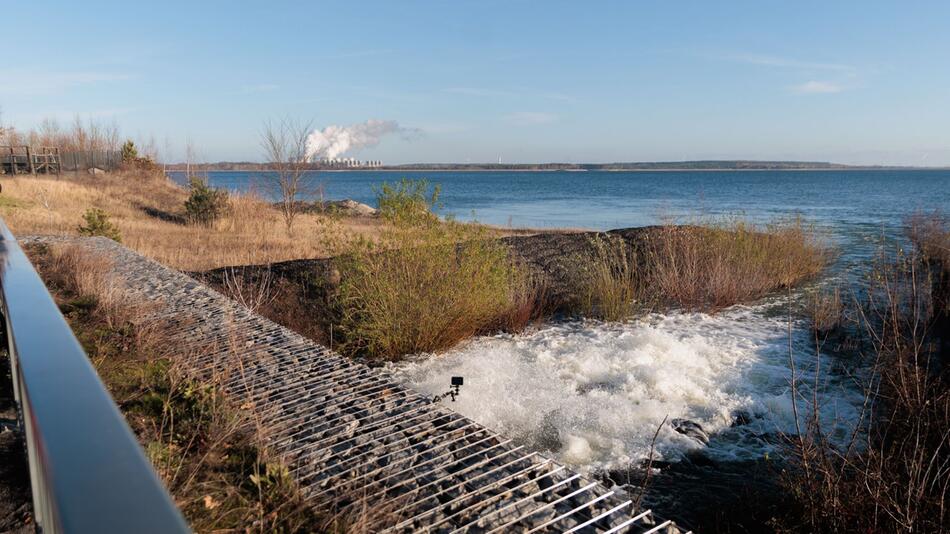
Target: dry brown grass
716,265
930,234
827,311
611,280
149,211
704,267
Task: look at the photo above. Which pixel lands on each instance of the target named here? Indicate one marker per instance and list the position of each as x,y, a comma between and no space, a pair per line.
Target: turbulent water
594,394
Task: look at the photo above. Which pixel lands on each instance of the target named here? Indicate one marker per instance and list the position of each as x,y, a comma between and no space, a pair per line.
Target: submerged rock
690,429
548,437
741,418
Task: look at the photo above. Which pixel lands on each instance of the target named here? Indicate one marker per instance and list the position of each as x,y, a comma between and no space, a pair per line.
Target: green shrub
206,204
430,288
408,202
97,223
132,159
426,284
129,153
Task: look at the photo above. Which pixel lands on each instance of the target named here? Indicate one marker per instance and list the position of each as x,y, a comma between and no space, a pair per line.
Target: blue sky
854,82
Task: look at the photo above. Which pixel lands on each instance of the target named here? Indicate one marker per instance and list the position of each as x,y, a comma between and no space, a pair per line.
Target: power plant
350,163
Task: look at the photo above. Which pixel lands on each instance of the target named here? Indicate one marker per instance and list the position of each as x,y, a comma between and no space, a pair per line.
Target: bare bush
254,294
285,151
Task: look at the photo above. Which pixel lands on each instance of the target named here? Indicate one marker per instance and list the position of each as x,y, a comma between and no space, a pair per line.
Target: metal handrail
87,470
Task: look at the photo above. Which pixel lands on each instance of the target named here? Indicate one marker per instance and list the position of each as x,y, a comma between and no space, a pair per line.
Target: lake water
605,200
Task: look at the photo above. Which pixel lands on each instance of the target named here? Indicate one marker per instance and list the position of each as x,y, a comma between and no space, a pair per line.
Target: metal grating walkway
357,442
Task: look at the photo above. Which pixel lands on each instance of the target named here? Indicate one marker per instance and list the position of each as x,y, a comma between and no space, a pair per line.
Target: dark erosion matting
552,258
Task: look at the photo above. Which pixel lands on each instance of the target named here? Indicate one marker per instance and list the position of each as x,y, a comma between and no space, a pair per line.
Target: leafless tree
166,155
190,157
285,151
43,196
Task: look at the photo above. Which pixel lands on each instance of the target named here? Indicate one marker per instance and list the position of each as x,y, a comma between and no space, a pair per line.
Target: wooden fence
25,159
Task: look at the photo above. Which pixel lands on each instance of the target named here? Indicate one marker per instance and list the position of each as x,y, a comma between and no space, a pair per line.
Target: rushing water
593,394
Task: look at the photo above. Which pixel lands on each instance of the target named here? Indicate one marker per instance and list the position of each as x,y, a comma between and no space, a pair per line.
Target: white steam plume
334,141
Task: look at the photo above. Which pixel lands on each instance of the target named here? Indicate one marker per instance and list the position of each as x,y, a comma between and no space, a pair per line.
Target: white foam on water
593,394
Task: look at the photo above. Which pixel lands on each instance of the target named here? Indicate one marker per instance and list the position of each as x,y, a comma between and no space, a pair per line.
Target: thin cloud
444,127
528,118
788,63
66,117
260,88
31,83
815,87
502,93
829,77
557,96
478,91
358,53
105,113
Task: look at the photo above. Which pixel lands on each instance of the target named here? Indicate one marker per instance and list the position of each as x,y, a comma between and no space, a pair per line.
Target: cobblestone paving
356,441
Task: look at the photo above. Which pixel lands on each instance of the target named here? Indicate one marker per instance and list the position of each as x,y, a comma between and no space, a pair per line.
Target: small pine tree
130,154
206,204
97,223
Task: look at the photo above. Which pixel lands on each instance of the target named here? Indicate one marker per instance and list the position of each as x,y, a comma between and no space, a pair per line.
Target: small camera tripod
452,392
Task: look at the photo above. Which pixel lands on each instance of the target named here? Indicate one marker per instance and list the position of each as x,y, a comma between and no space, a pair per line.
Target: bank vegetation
893,473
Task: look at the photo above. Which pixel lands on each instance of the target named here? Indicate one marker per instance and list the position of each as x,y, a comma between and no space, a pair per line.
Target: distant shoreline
214,168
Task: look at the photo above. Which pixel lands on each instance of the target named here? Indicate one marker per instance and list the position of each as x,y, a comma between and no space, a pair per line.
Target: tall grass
611,281
694,267
721,264
827,310
893,475
427,284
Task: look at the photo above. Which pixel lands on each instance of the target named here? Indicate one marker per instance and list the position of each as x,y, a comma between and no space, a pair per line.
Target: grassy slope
148,210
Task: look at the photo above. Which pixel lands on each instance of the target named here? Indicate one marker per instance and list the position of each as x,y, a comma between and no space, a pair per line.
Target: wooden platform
24,159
